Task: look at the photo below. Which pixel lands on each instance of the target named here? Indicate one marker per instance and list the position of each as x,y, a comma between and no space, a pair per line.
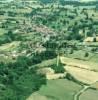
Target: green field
9,46
80,54
2,31
89,95
60,89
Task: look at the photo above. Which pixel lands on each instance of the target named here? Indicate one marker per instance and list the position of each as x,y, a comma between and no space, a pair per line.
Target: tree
56,45
18,81
29,82
10,35
86,54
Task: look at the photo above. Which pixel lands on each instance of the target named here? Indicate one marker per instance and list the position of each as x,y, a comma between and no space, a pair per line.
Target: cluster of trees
47,1
59,68
7,37
17,81
2,12
70,2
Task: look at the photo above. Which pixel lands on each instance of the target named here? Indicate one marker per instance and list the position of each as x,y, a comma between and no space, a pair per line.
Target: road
77,95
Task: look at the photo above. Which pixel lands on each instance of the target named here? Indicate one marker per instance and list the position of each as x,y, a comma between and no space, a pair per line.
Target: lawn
60,89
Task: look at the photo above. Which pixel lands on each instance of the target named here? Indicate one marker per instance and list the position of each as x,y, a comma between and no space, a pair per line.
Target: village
48,46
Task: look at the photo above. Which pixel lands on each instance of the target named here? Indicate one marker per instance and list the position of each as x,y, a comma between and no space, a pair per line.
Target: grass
46,63
18,10
9,46
89,95
92,44
2,31
17,17
6,60
80,54
95,58
60,89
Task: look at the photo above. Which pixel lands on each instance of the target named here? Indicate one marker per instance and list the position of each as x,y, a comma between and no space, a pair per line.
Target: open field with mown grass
17,18
80,54
25,10
2,31
9,46
89,95
6,59
60,89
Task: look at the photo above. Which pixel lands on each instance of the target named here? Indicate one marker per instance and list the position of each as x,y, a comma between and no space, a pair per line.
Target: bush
71,51
94,40
69,77
86,54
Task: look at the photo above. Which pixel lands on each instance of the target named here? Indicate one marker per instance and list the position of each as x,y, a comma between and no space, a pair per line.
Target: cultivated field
80,63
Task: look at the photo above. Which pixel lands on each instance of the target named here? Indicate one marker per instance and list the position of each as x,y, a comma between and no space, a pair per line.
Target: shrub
94,40
71,51
86,54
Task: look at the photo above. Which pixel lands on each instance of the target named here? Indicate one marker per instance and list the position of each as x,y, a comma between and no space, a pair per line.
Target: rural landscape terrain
48,50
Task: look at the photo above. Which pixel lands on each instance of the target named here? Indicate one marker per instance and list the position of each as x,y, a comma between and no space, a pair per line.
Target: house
91,39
